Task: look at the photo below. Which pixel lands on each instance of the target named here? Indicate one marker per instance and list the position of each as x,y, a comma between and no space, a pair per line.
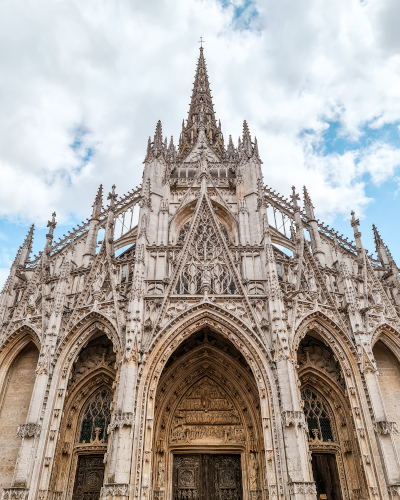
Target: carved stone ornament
119,419
28,430
15,493
295,418
206,413
113,489
383,427
302,487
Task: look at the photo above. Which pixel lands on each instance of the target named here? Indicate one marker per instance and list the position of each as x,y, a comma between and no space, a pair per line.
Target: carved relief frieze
28,430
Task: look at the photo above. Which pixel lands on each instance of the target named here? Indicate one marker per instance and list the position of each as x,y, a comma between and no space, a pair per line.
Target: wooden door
326,476
89,477
207,477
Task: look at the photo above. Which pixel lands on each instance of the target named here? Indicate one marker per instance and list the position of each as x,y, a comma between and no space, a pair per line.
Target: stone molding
295,418
384,427
119,419
302,487
28,430
113,490
15,493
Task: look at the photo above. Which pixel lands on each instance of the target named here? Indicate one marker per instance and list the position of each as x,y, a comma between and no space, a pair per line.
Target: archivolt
385,330
214,364
16,336
243,338
338,341
72,343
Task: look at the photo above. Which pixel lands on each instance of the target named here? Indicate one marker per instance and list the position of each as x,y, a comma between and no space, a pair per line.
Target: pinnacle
307,199
29,238
98,202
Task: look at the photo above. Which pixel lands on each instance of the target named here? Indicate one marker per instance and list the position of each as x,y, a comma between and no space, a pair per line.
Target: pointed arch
83,330
320,375
206,400
385,330
166,343
68,443
328,329
16,335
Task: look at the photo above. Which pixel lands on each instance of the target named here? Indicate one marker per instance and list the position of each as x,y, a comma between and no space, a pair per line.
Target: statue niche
205,414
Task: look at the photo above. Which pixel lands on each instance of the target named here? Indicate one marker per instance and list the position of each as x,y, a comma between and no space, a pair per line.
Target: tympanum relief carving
206,414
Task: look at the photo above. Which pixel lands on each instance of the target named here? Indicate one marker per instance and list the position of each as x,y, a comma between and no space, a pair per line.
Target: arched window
96,415
317,415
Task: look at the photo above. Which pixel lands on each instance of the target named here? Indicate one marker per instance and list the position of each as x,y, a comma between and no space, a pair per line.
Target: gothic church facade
229,346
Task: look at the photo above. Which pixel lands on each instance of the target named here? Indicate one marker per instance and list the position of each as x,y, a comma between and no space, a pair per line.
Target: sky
83,84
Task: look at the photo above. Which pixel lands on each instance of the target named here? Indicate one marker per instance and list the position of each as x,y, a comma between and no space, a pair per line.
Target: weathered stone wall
14,403
389,381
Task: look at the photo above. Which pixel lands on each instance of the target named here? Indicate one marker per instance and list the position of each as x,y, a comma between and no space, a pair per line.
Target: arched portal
15,397
207,431
79,459
334,449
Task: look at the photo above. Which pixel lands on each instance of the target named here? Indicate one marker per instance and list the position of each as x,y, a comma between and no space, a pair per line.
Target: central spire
201,114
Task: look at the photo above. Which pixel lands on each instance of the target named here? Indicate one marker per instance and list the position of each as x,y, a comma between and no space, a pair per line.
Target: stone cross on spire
51,224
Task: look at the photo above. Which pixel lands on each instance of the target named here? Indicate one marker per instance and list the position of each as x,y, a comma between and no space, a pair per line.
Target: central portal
207,477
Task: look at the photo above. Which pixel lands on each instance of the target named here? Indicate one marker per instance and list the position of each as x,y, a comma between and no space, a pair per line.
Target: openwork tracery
317,415
205,268
96,415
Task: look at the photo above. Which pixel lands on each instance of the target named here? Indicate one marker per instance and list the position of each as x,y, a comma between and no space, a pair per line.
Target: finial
98,203
112,196
51,224
201,41
295,197
357,235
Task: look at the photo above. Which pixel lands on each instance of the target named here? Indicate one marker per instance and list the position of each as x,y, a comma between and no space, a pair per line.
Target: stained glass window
96,414
317,415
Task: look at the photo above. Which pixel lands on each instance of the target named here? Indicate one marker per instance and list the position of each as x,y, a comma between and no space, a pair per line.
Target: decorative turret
201,104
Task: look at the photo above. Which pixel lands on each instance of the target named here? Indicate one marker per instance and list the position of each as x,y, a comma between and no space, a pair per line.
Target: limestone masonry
229,346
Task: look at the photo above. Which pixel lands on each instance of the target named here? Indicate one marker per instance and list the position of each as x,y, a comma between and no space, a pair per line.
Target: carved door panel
326,476
207,477
89,477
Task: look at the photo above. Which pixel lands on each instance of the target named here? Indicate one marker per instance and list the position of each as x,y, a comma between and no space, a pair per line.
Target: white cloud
113,69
